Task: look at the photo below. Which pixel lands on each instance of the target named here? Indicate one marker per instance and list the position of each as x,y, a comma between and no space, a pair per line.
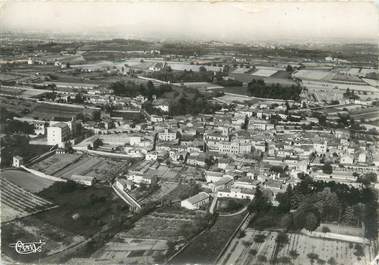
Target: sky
225,21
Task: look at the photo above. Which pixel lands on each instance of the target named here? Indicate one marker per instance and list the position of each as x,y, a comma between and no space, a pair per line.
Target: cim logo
28,247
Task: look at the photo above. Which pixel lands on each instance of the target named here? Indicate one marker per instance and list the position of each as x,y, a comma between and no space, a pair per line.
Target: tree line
258,88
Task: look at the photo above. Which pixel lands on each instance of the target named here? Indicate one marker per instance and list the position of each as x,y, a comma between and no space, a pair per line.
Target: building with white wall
196,201
58,134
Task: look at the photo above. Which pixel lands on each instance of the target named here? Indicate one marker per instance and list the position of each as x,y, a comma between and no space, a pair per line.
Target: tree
260,238
325,229
289,69
260,203
312,257
202,69
332,261
311,222
253,252
368,178
282,238
327,168
293,253
348,216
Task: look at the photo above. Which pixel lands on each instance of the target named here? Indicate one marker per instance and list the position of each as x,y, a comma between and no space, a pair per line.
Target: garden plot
97,167
125,250
165,226
299,250
54,163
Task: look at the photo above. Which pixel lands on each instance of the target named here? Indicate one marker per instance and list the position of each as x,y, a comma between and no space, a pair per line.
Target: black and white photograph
189,132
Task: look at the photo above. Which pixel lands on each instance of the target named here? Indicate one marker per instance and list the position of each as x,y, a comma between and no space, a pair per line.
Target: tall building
58,134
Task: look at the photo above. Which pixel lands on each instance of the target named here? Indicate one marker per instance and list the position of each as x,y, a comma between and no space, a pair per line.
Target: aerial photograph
189,132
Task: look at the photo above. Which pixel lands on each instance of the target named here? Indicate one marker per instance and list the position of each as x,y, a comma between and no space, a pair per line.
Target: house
17,161
161,104
213,176
156,118
157,67
223,183
196,159
85,180
347,159
124,184
320,147
362,157
60,151
236,193
151,156
167,135
196,201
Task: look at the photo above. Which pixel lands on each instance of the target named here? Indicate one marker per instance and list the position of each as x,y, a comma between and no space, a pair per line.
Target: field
99,167
125,250
47,111
265,72
18,91
26,180
17,106
166,225
94,207
16,202
54,163
248,251
8,77
31,229
205,248
66,165
165,188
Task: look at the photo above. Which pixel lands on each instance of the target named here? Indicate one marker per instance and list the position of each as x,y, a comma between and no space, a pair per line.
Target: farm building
85,180
196,201
17,161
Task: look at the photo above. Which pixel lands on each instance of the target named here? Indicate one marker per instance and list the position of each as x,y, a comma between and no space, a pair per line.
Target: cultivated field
56,162
17,202
66,165
249,251
125,250
165,188
47,111
26,180
166,226
98,167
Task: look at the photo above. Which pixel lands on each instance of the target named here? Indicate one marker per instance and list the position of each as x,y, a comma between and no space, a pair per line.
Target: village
143,160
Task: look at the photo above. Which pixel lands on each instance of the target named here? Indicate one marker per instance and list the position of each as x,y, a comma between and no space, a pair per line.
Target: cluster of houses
238,148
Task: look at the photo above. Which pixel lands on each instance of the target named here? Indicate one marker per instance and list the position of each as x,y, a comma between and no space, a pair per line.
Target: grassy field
31,229
94,206
207,246
47,111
